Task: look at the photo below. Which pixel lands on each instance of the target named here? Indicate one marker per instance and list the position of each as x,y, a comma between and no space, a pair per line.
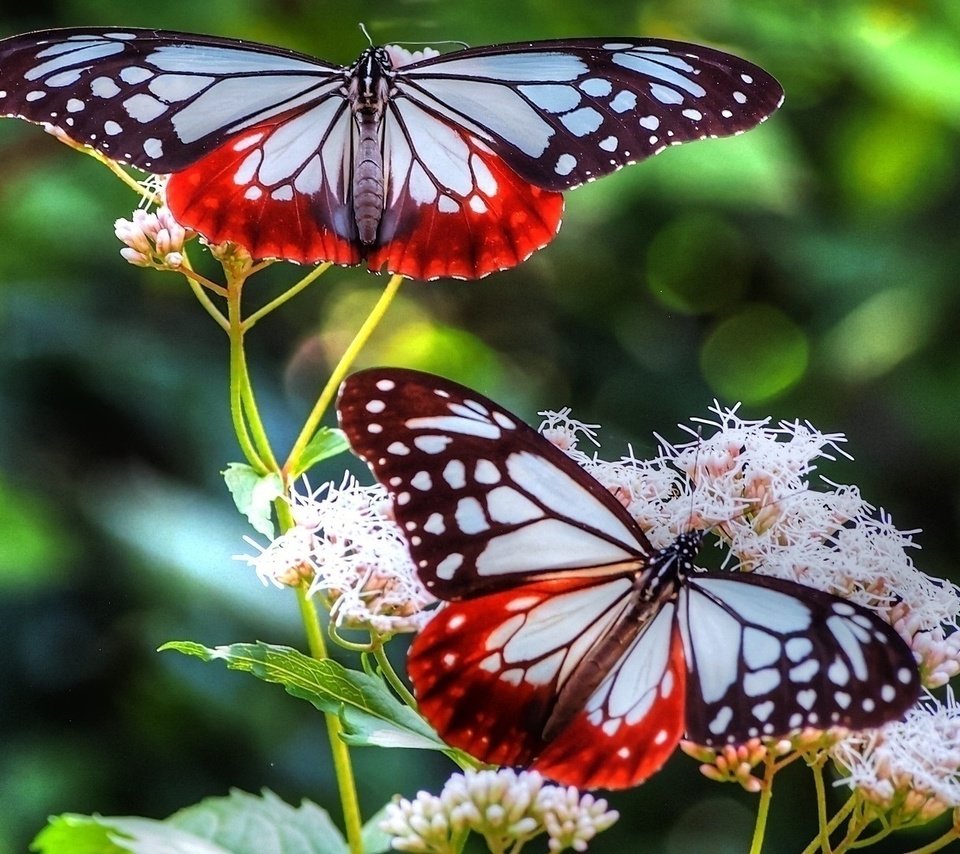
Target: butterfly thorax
367,92
669,567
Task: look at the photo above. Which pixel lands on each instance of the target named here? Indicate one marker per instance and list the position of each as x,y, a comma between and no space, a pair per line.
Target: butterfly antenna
366,34
434,44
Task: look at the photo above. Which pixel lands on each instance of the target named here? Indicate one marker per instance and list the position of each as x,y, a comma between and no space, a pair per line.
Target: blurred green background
808,269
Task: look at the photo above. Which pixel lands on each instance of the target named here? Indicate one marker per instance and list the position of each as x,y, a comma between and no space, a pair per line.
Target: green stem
817,768
238,374
288,294
763,810
340,371
380,654
941,842
831,826
341,755
253,420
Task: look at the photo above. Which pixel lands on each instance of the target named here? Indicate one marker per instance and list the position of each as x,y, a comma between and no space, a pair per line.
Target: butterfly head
369,80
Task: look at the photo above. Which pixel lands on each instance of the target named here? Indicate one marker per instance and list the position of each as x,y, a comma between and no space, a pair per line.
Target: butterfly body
567,642
423,165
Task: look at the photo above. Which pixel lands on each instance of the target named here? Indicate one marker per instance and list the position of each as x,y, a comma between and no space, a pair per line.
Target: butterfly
422,164
567,642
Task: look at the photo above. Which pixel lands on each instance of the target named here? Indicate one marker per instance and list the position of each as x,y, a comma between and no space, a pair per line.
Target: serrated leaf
253,494
326,442
246,824
81,834
371,714
375,841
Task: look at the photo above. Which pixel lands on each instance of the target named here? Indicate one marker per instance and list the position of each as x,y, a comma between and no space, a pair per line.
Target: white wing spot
448,205
375,406
104,87
449,659
762,711
806,671
398,449
609,144
796,720
486,472
746,78
660,737
888,693
838,673
432,444
455,474
477,205
482,176
143,108
36,95
153,147
726,114
403,498
666,95
566,163
693,115
842,698
283,193
449,565
253,193
721,721
112,128
504,421
623,752
596,87
434,524
386,385
583,121
761,682
739,97
469,516
374,428
133,74
456,621
843,609
868,704
654,139
798,648
624,101
421,480
807,698
650,122
75,105
904,675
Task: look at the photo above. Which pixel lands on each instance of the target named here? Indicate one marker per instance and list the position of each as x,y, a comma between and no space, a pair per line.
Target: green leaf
253,494
370,713
246,824
375,841
80,834
326,442
238,824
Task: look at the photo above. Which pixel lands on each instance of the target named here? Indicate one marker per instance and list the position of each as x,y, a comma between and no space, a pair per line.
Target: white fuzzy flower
401,56
505,807
749,482
345,540
910,767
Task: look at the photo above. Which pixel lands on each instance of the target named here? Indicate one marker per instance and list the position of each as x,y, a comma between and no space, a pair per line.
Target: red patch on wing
589,756
220,197
497,226
472,707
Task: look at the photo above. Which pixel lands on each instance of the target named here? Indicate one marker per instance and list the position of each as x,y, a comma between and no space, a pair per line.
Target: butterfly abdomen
368,93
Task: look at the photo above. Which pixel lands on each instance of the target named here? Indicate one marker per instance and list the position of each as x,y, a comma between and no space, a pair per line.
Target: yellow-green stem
341,755
238,378
763,809
817,768
341,370
941,842
832,825
260,313
391,676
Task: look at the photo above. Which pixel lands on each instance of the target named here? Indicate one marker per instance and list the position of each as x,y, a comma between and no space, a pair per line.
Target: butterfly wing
563,112
258,138
766,656
485,502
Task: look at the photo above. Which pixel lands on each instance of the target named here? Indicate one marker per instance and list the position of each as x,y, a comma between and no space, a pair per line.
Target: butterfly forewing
566,111
484,501
768,657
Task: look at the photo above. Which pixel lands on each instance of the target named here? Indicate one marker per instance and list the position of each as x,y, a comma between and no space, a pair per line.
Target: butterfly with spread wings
447,165
568,643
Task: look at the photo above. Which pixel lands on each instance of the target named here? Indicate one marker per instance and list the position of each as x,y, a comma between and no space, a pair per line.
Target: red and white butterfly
446,165
568,643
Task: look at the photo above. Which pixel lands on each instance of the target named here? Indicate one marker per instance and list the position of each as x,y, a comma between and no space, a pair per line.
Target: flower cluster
152,239
749,482
347,544
911,768
505,807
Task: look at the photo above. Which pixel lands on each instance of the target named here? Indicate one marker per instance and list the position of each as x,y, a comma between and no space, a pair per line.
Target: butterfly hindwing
484,501
768,656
